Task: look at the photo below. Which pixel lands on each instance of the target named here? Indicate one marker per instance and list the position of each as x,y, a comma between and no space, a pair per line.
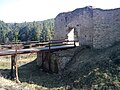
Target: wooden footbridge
45,48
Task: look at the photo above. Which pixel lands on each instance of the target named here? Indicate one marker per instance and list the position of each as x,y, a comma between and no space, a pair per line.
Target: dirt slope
91,68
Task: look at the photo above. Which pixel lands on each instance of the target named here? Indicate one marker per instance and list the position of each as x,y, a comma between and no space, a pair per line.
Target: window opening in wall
72,34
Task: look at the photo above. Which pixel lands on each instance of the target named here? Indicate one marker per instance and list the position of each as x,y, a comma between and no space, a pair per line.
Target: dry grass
31,77
11,85
5,61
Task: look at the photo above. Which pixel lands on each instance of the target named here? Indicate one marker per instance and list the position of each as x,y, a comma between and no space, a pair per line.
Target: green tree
44,34
16,37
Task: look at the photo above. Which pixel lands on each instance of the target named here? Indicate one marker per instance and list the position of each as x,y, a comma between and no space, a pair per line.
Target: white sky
36,10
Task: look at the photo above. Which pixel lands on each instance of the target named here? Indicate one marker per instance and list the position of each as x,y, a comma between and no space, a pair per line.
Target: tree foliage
27,31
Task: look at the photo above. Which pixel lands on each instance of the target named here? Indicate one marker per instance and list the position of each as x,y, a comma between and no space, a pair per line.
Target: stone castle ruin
91,26
96,28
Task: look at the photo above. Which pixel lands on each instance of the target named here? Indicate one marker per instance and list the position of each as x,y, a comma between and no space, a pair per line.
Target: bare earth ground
31,76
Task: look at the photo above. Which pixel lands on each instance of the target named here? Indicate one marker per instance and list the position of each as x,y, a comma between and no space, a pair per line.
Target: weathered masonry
48,58
92,26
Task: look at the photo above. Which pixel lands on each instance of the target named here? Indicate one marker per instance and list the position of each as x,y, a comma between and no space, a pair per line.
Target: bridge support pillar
14,67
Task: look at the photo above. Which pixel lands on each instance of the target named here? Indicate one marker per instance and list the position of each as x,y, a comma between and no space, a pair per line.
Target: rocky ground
94,69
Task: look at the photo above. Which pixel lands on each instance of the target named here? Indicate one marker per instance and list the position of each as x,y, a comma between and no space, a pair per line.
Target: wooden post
42,65
11,72
49,58
14,66
74,44
16,69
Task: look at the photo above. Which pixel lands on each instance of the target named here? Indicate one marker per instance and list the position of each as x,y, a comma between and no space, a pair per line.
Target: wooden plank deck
32,50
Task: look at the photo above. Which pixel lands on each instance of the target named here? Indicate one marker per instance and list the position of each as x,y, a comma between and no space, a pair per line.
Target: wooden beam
42,65
49,62
11,71
14,67
74,44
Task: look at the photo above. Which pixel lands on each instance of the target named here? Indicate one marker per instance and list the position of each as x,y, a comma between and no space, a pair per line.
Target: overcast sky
36,10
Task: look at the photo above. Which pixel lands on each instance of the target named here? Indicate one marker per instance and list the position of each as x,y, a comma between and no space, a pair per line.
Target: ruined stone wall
106,27
96,27
60,27
59,59
86,27
81,20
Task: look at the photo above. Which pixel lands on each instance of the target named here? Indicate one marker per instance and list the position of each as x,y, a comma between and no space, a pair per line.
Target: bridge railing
32,44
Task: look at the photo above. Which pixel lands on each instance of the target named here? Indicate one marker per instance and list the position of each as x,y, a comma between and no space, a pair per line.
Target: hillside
91,68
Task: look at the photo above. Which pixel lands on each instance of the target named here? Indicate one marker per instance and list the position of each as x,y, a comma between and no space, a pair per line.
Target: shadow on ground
31,73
